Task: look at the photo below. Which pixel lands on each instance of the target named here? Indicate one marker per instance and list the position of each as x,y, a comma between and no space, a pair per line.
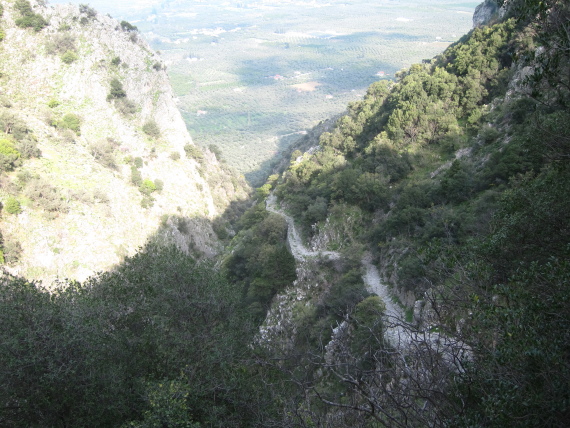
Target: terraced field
249,75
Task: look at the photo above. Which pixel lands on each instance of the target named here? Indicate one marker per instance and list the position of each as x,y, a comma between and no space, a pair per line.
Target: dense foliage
461,188
114,348
456,178
261,265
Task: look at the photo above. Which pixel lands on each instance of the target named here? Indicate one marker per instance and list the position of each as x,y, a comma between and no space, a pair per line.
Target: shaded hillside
95,154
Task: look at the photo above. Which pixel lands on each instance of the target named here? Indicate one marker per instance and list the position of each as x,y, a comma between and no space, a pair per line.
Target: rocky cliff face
117,164
485,13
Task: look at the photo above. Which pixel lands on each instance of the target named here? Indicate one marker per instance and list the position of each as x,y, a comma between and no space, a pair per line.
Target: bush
216,151
136,177
147,187
12,252
151,129
45,196
116,90
116,61
12,206
103,153
159,184
193,152
53,103
174,156
126,26
88,11
138,162
2,34
12,124
9,156
61,43
69,57
147,201
125,106
29,19
70,121
28,148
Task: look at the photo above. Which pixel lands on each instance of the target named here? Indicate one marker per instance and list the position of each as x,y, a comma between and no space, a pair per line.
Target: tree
128,27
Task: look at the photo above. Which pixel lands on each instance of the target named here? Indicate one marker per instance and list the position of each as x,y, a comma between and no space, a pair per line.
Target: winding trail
397,331
401,335
299,251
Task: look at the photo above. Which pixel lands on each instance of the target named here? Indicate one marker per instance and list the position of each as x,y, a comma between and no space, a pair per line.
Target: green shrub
147,187
138,162
70,121
7,147
116,90
159,184
28,18
53,103
23,177
174,156
116,61
13,124
216,151
12,206
9,156
28,148
24,7
2,34
126,26
147,201
151,129
69,57
102,151
136,177
88,11
193,152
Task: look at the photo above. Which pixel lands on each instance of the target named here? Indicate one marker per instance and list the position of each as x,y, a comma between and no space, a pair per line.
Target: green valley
251,77
406,263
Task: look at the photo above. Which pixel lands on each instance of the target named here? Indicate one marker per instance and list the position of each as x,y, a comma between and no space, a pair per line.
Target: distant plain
252,76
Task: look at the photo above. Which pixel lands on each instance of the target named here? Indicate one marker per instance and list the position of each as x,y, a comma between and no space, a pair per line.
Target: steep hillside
410,270
455,179
95,155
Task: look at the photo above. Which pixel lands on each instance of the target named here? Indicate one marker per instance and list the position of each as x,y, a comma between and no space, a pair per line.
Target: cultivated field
250,75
